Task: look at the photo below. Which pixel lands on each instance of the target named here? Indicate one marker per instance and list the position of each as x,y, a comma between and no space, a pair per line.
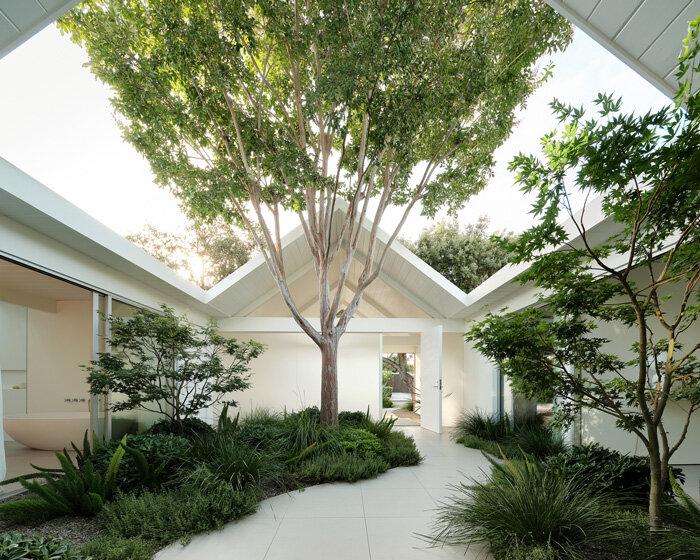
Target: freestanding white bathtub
52,431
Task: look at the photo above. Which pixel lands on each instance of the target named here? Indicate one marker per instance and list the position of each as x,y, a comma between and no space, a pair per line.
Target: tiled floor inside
19,459
378,519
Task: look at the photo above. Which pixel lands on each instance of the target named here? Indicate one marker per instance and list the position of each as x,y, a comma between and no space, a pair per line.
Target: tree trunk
329,381
656,493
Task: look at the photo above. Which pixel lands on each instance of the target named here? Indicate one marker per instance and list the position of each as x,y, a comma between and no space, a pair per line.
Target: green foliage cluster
360,442
187,428
162,454
175,514
465,257
348,467
14,546
69,490
168,365
501,435
221,248
637,275
522,510
606,471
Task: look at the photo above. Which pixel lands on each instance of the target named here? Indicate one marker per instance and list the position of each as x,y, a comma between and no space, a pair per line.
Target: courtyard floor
378,519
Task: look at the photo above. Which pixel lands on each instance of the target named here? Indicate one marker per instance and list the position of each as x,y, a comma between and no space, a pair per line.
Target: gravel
75,530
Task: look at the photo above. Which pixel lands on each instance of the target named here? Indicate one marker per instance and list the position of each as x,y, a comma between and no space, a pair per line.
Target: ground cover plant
511,437
165,488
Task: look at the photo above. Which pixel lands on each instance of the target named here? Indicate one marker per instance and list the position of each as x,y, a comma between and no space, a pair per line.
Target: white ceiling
645,34
20,19
16,279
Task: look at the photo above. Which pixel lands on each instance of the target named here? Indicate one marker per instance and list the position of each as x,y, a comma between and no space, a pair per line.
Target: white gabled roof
20,19
25,200
645,34
252,284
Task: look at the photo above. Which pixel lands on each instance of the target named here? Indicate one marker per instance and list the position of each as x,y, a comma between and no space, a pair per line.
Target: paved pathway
369,520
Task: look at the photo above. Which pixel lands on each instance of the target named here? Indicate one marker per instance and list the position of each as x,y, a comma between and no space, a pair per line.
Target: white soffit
252,285
646,35
20,19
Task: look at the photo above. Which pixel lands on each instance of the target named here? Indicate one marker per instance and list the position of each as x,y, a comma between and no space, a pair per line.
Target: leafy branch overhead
631,277
331,111
166,364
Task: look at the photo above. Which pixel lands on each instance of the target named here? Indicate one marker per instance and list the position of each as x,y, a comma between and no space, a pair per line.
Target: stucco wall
288,374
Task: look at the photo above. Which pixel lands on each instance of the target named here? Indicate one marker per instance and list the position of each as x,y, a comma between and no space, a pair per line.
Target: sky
57,125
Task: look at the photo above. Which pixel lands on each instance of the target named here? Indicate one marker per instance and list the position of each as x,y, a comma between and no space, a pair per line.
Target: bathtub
52,431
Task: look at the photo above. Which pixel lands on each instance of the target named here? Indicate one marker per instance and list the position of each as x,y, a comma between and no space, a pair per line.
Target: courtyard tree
206,253
635,277
165,364
329,111
466,257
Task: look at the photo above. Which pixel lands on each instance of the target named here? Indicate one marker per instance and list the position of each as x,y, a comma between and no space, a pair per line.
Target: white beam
357,325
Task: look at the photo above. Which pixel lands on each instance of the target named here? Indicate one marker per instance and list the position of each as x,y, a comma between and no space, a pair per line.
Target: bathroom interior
47,333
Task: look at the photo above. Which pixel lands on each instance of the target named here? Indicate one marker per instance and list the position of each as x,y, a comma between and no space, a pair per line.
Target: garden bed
162,488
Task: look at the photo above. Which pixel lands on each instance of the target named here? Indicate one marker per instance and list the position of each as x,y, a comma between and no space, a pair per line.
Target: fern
149,475
76,490
691,506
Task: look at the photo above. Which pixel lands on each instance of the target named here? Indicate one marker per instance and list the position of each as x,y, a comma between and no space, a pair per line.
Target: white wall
288,374
57,345
452,378
597,426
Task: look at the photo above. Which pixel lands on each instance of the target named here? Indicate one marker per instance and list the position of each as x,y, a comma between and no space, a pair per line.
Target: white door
431,379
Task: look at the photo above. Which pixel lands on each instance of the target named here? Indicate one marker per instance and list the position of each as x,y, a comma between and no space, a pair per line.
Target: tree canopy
250,108
205,253
465,257
635,274
166,364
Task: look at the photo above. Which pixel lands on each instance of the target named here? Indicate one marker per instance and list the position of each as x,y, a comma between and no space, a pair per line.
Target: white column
3,464
431,379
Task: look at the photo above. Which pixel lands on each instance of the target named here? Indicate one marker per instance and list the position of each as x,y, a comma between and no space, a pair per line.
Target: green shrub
360,442
381,428
262,415
119,548
603,470
163,452
14,546
191,427
240,467
399,450
352,419
522,506
479,424
482,444
534,440
74,490
267,436
175,514
386,397
343,466
305,434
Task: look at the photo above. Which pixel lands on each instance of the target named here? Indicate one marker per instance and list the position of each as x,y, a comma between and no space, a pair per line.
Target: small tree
166,364
249,109
465,257
220,248
643,275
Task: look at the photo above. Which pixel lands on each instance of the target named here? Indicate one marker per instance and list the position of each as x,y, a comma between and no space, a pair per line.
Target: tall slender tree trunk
329,380
658,472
